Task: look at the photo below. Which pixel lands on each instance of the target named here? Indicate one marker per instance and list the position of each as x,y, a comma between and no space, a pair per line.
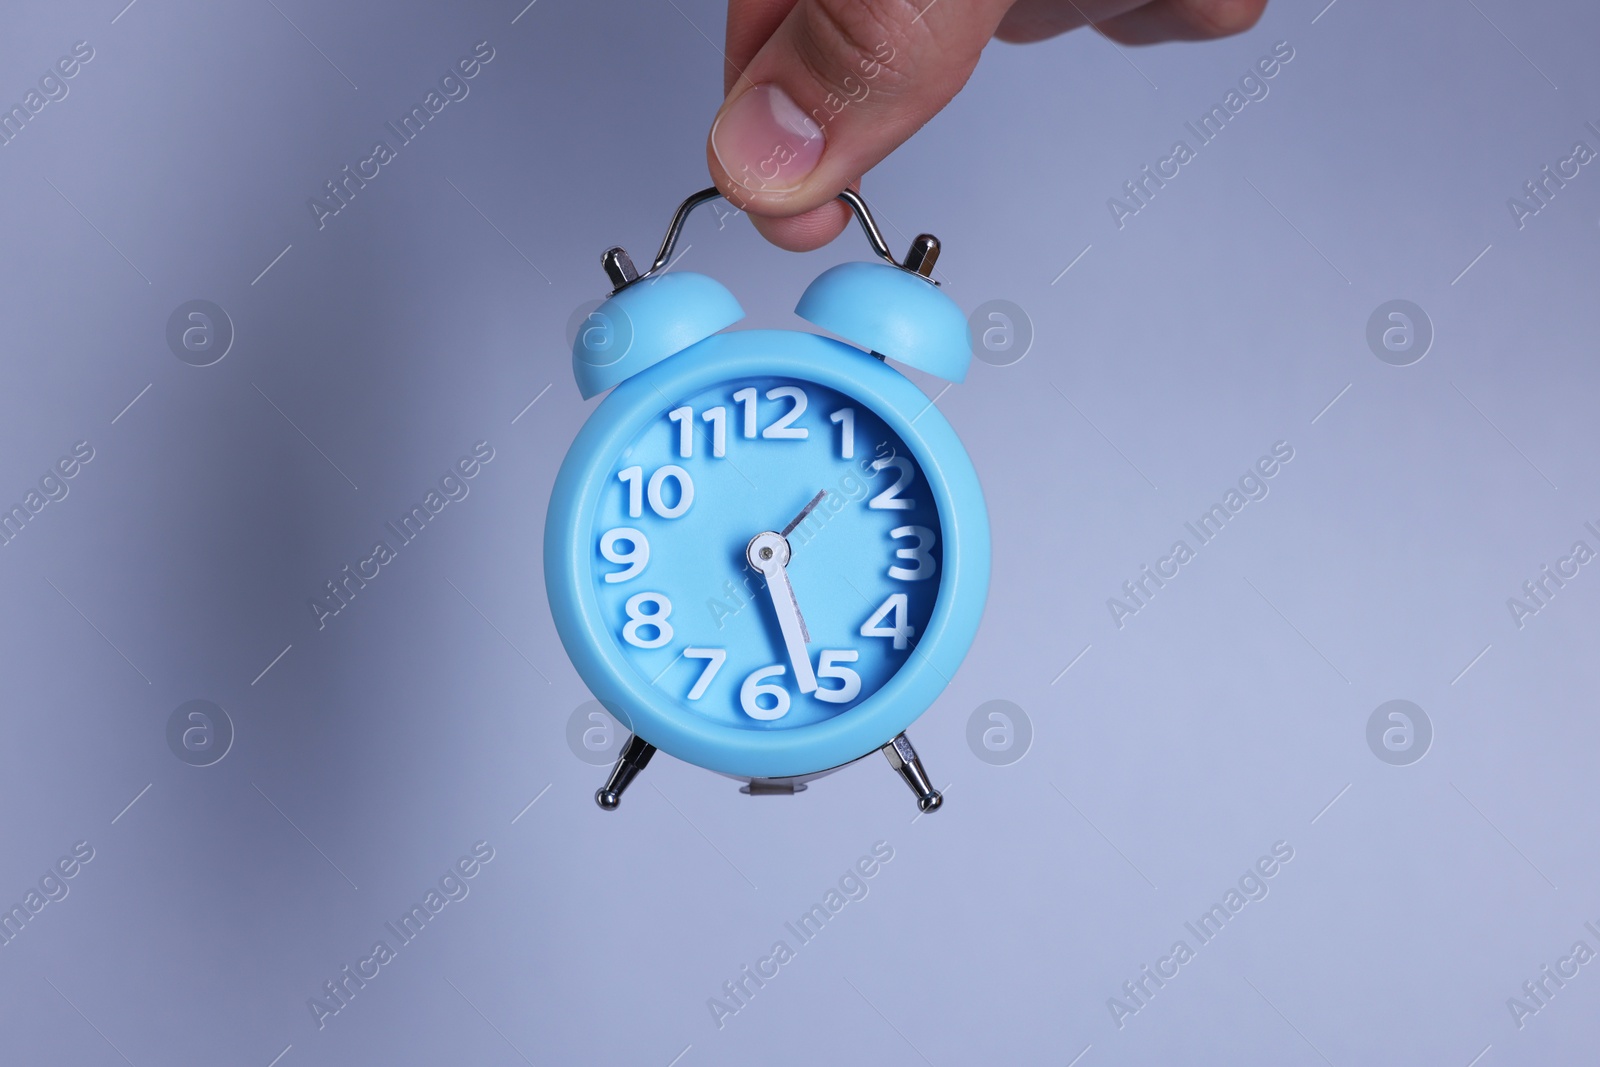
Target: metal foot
903,758
629,764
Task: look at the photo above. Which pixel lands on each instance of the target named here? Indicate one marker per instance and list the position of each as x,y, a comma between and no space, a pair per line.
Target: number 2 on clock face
680,596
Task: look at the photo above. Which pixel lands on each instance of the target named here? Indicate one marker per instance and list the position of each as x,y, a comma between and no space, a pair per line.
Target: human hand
819,91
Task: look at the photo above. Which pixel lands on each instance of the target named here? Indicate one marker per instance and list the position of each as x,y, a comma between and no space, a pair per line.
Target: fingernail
765,142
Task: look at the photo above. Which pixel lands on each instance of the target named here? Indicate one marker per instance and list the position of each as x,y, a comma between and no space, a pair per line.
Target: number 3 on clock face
677,592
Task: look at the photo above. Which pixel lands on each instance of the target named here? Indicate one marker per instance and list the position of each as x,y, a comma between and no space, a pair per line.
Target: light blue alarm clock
767,551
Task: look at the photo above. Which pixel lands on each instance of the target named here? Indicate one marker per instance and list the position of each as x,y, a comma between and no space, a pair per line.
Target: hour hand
768,553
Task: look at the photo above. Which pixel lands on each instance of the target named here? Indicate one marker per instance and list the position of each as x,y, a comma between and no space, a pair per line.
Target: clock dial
724,606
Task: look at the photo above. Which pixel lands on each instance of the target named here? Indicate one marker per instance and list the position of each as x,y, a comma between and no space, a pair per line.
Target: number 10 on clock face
763,642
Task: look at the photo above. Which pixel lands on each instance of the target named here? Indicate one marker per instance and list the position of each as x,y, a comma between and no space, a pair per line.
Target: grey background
1224,717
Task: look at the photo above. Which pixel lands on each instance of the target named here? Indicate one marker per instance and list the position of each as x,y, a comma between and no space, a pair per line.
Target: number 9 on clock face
672,564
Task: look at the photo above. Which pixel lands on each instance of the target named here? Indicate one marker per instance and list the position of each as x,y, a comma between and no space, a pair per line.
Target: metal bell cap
644,323
893,312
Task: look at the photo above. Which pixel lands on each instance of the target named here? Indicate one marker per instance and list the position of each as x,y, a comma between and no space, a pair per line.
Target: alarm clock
767,551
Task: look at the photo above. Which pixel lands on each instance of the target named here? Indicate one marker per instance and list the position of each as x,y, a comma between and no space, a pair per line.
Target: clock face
723,607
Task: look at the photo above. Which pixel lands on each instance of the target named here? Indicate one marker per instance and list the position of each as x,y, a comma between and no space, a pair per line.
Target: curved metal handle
924,252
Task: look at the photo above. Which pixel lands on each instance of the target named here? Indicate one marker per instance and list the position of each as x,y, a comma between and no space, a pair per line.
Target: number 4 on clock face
890,620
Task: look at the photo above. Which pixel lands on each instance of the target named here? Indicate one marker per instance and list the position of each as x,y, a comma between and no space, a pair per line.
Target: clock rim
652,714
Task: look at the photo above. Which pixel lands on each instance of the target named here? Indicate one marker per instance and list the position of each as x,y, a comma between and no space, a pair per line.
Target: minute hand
769,553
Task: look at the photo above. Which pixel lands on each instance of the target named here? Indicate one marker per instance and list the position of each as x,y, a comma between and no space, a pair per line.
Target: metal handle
919,260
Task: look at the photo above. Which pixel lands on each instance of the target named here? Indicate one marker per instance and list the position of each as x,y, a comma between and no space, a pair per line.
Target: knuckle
853,42
1222,18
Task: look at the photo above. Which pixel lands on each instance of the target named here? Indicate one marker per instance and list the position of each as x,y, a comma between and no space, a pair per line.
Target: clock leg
629,764
903,758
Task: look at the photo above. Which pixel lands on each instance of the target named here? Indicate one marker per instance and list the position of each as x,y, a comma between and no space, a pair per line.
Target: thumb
838,86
